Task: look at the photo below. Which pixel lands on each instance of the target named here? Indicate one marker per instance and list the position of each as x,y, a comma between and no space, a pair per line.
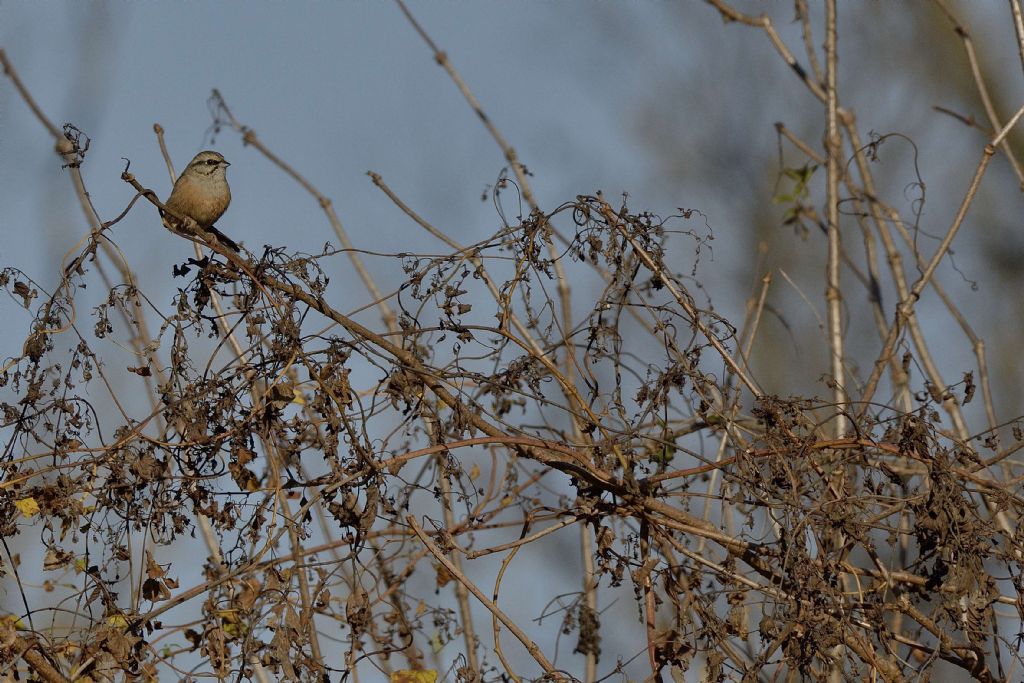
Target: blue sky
336,89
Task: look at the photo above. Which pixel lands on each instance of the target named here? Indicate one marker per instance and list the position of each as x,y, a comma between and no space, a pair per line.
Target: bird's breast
203,201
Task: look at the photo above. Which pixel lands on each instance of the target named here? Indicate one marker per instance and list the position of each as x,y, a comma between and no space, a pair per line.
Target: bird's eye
212,162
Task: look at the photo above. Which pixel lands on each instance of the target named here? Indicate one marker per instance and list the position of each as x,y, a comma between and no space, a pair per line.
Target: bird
201,192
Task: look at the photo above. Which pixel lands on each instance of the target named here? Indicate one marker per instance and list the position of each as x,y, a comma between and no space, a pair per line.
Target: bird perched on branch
201,192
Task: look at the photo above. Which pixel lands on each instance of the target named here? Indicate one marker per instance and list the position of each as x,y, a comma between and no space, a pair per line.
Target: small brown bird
201,192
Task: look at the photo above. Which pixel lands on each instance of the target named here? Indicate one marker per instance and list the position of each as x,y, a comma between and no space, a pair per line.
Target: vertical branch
979,80
906,306
833,291
833,147
589,598
1018,27
461,593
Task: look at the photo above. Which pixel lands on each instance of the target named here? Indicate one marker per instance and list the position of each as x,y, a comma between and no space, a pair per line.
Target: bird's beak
225,162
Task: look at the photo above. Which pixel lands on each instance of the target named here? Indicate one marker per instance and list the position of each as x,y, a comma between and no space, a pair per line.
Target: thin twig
531,647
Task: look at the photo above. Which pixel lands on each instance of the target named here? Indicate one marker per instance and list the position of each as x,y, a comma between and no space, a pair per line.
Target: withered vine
294,482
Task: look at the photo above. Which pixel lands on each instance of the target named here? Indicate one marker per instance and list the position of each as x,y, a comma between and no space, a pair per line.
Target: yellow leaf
117,621
12,621
234,630
27,506
408,676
